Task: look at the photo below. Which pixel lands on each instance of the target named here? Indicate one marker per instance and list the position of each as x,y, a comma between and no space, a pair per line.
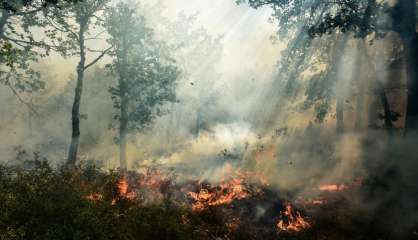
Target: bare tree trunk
123,91
340,113
412,75
386,109
3,22
360,84
123,133
170,126
359,106
75,113
198,123
341,84
407,23
382,96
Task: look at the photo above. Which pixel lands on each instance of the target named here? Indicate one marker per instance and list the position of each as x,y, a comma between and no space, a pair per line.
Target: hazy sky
247,32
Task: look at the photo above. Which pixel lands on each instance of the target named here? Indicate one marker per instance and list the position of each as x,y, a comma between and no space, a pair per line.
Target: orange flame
94,197
123,187
225,193
333,188
292,221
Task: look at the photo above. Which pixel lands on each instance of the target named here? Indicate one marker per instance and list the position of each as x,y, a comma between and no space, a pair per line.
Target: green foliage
14,5
324,17
15,71
38,202
312,29
147,74
19,48
71,26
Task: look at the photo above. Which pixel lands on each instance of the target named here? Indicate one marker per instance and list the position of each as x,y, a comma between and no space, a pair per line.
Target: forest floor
38,202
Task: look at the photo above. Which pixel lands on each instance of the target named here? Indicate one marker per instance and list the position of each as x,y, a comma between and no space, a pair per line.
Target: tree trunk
358,70
170,127
358,125
198,123
406,11
3,22
123,93
384,101
386,109
122,135
341,83
75,113
411,48
340,113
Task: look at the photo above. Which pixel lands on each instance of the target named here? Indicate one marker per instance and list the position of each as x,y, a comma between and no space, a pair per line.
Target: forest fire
226,120
225,193
291,220
237,196
234,192
130,186
123,191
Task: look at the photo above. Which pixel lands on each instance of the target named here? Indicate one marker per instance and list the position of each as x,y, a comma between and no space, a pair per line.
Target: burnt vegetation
87,203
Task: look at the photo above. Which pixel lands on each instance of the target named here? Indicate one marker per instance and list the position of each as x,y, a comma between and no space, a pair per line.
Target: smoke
228,64
228,84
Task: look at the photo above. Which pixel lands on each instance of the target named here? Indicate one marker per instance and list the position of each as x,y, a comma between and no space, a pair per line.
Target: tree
146,73
363,19
78,22
196,53
14,5
19,48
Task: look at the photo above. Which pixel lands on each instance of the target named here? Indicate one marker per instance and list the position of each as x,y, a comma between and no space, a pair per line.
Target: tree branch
30,11
97,59
14,91
64,28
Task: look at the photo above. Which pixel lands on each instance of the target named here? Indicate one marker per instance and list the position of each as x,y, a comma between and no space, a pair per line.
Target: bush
38,202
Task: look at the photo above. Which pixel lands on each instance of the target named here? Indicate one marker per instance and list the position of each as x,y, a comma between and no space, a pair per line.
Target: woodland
121,120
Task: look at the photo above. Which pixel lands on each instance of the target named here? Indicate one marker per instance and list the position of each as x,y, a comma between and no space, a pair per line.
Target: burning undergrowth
159,203
239,202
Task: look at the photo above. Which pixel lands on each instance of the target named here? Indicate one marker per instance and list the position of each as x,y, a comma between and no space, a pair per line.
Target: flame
225,193
123,187
318,202
333,187
292,221
94,197
152,180
123,192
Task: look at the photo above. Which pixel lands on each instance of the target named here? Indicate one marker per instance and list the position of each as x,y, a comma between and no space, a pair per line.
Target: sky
246,31
248,61
246,41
